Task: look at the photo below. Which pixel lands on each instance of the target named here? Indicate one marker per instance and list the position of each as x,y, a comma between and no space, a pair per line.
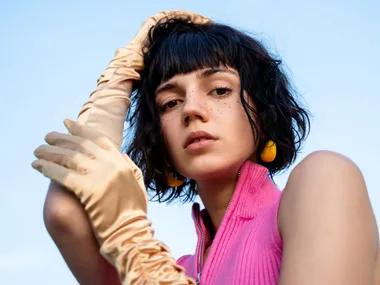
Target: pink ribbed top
247,248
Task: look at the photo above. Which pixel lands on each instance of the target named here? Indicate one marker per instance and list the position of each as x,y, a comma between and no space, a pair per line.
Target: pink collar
254,191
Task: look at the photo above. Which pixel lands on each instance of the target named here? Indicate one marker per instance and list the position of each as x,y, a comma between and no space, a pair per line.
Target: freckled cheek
231,109
170,129
240,109
219,107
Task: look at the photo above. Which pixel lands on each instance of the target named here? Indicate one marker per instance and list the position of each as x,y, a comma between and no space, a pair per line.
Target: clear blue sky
52,52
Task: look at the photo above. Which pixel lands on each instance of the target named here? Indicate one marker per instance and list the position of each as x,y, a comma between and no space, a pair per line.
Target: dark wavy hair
178,47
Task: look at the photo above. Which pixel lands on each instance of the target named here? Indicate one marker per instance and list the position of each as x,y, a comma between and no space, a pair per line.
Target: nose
194,108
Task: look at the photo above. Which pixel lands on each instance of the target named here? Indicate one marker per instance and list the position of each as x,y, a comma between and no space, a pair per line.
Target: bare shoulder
325,180
326,164
324,175
327,222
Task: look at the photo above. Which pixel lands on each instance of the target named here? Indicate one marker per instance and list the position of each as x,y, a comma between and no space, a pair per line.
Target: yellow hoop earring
173,182
269,152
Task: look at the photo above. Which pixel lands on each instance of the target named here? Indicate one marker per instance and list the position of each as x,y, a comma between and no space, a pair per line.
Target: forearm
65,219
69,227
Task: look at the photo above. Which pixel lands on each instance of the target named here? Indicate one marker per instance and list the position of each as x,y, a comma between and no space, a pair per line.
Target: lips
197,137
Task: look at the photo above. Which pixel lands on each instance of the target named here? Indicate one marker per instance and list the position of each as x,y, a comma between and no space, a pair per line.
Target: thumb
86,132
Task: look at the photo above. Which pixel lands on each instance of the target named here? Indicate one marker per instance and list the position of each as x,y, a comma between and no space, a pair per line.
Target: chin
211,167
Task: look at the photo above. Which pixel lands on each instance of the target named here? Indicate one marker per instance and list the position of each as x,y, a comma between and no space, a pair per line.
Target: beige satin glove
107,106
129,247
110,187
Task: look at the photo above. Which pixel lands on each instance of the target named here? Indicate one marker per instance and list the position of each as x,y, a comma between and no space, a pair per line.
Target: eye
169,105
223,91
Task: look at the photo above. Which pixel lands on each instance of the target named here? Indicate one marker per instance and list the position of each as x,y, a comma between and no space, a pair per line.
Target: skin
327,224
207,101
69,227
325,217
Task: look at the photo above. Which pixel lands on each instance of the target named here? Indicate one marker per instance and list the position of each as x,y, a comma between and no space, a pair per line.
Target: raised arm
105,111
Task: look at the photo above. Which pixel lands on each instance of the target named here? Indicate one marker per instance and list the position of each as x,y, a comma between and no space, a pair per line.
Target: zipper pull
198,278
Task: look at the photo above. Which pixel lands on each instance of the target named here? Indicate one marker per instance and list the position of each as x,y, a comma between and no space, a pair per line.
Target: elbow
61,210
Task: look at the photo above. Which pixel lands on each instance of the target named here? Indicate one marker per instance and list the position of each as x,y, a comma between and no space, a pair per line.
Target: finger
64,157
72,142
59,174
89,133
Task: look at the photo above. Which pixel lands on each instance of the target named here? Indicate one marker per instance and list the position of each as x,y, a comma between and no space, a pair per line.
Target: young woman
214,116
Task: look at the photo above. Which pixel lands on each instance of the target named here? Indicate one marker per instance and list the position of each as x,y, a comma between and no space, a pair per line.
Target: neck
216,195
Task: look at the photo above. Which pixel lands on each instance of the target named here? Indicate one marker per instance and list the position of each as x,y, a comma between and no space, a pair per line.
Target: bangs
183,48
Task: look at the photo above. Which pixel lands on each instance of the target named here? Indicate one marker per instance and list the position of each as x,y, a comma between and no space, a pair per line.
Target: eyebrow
167,86
206,73
212,71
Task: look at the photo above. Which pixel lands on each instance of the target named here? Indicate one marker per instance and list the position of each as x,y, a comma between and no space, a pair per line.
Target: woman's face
205,127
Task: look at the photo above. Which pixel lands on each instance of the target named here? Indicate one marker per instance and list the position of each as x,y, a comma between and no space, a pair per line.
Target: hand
134,49
89,165
111,189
